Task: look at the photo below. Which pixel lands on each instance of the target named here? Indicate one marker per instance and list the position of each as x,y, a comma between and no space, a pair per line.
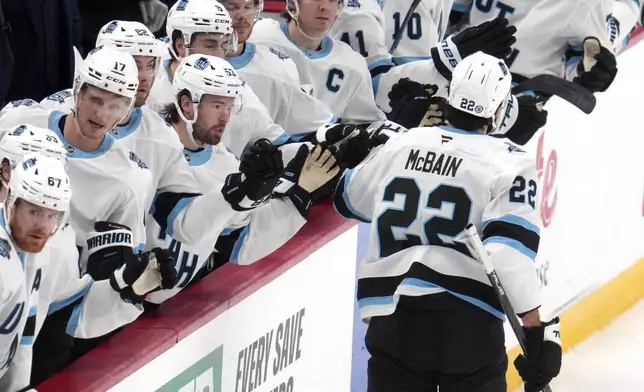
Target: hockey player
339,76
191,34
36,208
212,83
434,320
558,53
104,91
272,75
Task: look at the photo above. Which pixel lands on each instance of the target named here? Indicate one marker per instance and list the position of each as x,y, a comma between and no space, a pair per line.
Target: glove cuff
446,57
301,199
234,191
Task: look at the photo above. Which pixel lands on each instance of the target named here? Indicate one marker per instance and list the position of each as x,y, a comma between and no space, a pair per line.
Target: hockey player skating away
272,75
104,91
192,33
559,52
434,320
339,76
37,204
206,89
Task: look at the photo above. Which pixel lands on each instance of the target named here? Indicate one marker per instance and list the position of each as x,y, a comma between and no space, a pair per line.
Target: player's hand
524,118
381,131
109,246
146,273
543,361
495,38
307,172
260,169
598,68
410,102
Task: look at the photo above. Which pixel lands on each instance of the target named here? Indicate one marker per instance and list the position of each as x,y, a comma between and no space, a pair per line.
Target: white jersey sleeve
623,19
425,28
63,101
273,77
511,235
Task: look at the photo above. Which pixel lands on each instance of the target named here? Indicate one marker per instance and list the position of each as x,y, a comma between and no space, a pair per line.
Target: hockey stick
403,26
484,257
574,93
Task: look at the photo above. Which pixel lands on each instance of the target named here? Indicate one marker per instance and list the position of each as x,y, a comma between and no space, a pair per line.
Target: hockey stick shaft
403,26
484,258
569,91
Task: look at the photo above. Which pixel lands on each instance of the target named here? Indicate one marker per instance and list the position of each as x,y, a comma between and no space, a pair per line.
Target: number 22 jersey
419,191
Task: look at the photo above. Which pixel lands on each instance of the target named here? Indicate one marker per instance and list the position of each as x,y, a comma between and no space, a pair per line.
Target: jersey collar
325,47
122,131
243,59
72,151
198,158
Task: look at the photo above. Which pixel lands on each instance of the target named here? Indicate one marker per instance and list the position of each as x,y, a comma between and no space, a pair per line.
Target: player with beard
110,182
51,260
190,33
272,75
207,89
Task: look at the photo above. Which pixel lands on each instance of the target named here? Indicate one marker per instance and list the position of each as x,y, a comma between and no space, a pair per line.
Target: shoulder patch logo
513,148
139,162
22,102
60,96
279,54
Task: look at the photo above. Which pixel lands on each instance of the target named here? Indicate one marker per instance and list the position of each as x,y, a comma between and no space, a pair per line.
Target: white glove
319,168
154,14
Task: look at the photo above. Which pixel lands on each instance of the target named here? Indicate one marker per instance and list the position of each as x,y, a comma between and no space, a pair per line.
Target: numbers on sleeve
438,230
519,193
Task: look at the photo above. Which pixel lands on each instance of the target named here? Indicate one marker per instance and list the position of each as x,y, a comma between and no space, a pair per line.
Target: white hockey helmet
111,70
42,181
481,86
131,37
199,16
204,75
28,139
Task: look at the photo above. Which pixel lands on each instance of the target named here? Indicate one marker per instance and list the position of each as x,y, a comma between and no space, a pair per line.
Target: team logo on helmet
202,63
503,67
112,26
478,109
182,5
29,163
70,149
19,131
353,3
5,248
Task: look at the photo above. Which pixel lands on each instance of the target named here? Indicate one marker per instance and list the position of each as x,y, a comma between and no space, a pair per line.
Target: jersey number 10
434,227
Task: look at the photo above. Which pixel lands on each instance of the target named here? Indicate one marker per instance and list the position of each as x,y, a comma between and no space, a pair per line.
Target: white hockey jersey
423,187
624,18
426,27
339,76
553,51
362,26
13,301
274,78
109,184
259,234
53,282
251,123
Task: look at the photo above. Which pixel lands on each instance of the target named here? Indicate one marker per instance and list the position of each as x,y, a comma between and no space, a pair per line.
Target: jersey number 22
434,227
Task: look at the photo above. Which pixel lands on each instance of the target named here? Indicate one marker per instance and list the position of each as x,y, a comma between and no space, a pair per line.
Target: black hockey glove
260,169
351,141
109,246
144,274
413,103
598,68
381,131
306,173
494,38
524,117
543,360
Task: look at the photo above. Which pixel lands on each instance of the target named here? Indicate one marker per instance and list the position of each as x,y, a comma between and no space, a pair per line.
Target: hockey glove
153,13
494,38
109,246
144,274
413,103
525,116
351,142
543,360
306,173
260,169
381,131
598,68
